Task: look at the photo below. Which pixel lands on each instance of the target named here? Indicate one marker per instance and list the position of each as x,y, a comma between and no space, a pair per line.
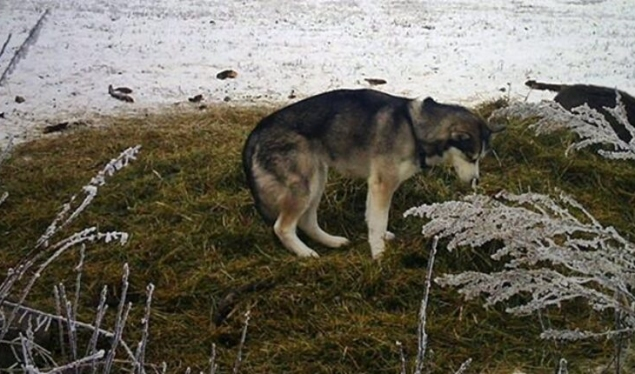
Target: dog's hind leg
309,222
292,207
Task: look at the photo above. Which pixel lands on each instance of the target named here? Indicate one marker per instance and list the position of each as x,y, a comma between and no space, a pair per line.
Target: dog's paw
377,255
336,241
377,247
308,254
329,240
389,236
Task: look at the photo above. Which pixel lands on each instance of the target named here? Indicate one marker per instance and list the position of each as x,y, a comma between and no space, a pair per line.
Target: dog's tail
544,86
248,167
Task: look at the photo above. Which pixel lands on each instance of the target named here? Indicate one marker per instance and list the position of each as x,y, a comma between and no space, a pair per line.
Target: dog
362,133
596,97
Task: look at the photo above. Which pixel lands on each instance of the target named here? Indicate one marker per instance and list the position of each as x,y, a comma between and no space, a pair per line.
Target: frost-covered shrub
20,325
585,259
23,328
590,125
553,251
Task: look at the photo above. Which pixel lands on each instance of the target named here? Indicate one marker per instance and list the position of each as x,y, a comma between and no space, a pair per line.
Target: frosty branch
553,250
16,316
25,322
592,127
64,217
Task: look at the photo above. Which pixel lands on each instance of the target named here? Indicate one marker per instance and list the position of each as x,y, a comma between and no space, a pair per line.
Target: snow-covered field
461,51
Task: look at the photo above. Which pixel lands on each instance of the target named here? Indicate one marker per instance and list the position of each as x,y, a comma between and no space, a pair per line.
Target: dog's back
596,97
316,116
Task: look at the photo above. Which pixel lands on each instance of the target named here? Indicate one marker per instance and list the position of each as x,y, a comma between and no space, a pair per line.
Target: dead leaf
196,99
375,81
227,74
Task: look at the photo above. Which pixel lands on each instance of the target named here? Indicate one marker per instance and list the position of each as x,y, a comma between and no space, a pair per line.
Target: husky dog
361,133
596,97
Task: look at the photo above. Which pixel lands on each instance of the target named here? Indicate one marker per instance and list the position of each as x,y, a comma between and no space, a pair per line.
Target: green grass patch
196,236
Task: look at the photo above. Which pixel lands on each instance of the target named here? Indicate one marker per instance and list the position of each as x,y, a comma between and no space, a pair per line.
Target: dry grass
196,236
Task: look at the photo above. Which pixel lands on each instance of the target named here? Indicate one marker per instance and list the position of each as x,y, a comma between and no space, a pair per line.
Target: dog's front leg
388,235
378,207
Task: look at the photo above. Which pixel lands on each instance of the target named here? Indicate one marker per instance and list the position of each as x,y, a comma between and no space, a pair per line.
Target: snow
168,50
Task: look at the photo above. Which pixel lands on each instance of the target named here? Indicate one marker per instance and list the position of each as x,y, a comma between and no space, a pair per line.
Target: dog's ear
428,103
495,126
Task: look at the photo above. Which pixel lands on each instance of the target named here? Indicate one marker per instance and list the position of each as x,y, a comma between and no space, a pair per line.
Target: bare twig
141,347
618,339
101,312
122,315
212,360
22,51
27,349
402,356
4,46
77,363
16,345
106,333
78,280
422,335
60,323
70,322
243,337
464,366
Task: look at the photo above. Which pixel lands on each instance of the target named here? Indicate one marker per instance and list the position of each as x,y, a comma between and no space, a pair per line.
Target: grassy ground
198,239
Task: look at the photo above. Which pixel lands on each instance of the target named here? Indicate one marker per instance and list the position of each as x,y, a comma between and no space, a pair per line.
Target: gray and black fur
367,134
596,97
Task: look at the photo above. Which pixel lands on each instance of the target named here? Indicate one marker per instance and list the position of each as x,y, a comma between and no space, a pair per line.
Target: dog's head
452,134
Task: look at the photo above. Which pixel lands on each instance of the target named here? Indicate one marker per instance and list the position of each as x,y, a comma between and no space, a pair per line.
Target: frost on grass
553,251
20,325
593,128
70,210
